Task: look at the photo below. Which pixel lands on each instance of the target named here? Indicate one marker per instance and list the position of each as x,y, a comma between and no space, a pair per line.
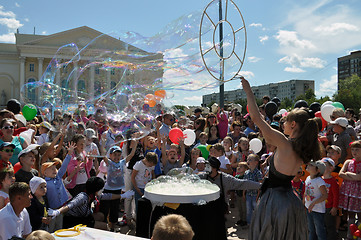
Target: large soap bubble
125,78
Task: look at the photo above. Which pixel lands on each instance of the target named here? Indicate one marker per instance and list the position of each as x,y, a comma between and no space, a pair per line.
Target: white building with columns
27,59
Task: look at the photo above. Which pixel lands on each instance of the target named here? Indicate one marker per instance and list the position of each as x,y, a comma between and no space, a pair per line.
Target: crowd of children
62,158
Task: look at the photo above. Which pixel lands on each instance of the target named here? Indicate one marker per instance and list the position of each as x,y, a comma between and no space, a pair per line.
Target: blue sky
286,39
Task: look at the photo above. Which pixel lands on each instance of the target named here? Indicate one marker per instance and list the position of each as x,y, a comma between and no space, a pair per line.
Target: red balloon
353,228
247,109
324,122
175,134
357,233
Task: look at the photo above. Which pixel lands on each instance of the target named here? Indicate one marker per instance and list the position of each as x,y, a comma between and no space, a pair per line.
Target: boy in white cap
200,165
38,210
27,160
44,129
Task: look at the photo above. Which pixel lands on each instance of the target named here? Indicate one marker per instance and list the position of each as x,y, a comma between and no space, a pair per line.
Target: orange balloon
150,100
160,93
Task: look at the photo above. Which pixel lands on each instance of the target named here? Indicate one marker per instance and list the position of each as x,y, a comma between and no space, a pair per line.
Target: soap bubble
125,78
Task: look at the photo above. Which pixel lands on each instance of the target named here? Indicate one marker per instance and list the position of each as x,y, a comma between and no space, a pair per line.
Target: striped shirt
80,205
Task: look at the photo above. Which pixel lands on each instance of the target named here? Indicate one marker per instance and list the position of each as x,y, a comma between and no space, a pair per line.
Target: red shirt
333,191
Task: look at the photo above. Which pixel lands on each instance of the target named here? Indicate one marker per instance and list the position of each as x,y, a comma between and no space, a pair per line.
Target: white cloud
336,28
17,4
327,87
44,32
262,39
10,23
3,13
297,61
9,38
294,69
193,98
289,39
254,59
255,25
26,19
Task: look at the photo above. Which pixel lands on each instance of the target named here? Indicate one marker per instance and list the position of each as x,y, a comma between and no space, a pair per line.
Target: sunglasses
7,150
332,117
7,127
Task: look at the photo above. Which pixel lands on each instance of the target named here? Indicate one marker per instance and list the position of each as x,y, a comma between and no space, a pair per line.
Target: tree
349,93
286,103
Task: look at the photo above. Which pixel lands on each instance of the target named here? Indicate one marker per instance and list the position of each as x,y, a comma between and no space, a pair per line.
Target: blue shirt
56,192
115,175
256,176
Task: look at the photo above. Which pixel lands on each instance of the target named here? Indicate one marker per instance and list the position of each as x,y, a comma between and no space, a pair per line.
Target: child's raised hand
158,124
63,130
71,147
181,141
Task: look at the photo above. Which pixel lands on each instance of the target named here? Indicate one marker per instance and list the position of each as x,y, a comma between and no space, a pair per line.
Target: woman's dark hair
214,162
306,145
93,185
202,124
319,123
77,137
208,117
209,131
5,120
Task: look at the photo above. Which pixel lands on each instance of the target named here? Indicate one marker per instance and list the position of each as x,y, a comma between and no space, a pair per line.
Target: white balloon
189,137
27,135
282,111
326,103
255,145
326,112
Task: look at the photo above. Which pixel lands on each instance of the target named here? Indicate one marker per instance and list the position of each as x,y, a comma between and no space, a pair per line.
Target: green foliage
349,93
210,105
286,104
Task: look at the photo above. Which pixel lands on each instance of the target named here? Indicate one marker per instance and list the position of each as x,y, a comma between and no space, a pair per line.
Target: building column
22,76
40,67
91,82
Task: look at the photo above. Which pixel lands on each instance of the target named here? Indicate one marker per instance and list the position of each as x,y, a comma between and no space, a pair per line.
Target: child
6,179
228,147
314,200
151,144
203,138
240,199
40,235
298,185
242,152
143,172
6,152
253,174
350,190
27,160
38,210
114,184
332,200
200,166
219,153
44,129
195,154
79,166
56,194
170,160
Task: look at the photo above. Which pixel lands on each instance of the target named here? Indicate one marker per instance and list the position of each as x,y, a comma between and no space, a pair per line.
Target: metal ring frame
213,48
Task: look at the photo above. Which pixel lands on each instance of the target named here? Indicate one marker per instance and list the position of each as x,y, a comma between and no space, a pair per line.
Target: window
97,88
31,94
31,67
81,85
112,84
96,70
112,72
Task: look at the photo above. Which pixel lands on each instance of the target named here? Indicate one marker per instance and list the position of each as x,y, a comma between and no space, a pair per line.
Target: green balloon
204,151
29,111
338,105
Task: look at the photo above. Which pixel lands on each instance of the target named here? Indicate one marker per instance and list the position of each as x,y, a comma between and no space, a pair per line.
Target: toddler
240,199
27,161
170,160
6,179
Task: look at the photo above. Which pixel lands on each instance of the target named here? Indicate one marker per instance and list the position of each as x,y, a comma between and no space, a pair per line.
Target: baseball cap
35,182
31,148
197,110
319,164
201,160
340,121
6,144
115,149
46,125
328,160
334,147
47,165
20,118
90,133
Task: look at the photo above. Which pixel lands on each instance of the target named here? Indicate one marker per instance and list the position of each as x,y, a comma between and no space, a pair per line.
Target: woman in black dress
280,214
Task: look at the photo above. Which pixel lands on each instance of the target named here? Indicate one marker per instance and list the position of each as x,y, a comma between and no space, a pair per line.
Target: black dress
279,214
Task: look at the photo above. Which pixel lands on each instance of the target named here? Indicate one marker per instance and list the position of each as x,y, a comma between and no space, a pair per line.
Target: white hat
31,148
328,160
35,182
340,121
201,160
90,133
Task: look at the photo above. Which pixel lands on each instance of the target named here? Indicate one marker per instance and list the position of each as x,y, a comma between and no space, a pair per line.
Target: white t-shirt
12,225
224,161
43,138
312,192
144,174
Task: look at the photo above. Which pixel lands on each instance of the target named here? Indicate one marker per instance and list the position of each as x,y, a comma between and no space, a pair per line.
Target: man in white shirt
14,218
